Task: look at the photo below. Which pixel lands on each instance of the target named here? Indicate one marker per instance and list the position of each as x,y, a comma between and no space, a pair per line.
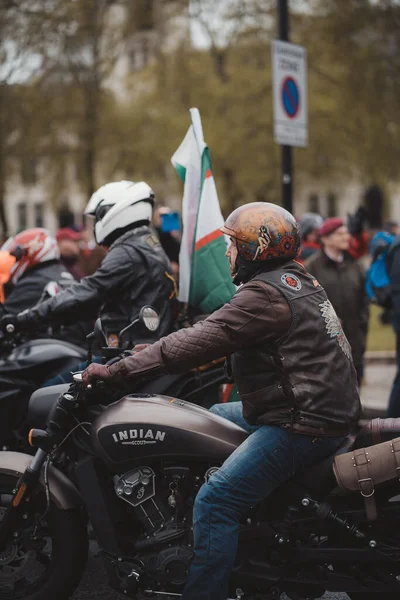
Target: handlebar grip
60,412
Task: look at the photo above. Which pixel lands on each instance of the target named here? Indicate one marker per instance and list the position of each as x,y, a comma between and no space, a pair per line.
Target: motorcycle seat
377,431
41,402
320,479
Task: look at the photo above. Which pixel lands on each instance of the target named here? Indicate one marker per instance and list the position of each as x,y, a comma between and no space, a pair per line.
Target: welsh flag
204,278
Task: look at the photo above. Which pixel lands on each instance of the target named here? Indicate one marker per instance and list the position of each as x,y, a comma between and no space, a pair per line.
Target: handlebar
57,424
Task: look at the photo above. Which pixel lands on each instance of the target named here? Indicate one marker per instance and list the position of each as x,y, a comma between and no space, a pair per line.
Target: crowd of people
338,254
294,334
334,250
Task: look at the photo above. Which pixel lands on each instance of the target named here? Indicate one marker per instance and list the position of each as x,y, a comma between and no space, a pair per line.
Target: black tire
66,565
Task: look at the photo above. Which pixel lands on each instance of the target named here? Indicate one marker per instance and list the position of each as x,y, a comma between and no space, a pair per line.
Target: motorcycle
138,465
201,386
26,364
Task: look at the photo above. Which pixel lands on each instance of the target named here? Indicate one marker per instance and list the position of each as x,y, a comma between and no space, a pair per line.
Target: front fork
26,483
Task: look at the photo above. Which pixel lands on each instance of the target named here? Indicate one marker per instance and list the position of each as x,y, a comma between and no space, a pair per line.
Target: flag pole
197,129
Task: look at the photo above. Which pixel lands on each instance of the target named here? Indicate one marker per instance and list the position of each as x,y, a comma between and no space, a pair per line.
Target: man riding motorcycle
37,264
292,364
134,272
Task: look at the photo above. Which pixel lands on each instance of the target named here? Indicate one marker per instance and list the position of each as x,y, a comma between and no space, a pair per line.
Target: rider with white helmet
135,271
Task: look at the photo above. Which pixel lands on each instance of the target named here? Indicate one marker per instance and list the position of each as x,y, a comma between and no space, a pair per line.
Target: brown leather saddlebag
377,431
363,469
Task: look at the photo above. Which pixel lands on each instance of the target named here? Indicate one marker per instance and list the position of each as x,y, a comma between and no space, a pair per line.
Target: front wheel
48,555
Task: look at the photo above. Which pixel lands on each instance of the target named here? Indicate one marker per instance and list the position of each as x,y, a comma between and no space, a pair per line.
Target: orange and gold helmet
263,232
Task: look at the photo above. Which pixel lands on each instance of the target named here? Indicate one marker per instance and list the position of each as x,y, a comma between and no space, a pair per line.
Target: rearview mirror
99,335
150,318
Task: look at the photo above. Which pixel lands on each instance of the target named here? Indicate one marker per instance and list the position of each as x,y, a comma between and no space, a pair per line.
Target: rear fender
62,491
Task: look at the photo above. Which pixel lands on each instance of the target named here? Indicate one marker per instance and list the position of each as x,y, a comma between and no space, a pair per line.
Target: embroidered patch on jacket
152,240
333,326
291,281
316,283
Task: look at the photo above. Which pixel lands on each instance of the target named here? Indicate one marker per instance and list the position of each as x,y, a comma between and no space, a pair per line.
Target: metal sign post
290,99
287,163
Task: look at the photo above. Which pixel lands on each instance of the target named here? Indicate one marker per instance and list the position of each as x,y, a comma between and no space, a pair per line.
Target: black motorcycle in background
136,467
27,360
200,386
25,364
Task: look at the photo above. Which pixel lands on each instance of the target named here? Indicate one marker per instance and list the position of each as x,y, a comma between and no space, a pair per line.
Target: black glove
9,320
357,221
22,320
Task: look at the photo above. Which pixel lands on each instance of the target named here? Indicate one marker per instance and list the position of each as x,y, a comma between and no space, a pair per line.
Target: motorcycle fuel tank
145,429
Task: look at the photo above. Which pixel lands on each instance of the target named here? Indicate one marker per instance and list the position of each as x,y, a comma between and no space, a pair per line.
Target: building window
332,205
29,171
141,53
22,216
38,215
313,203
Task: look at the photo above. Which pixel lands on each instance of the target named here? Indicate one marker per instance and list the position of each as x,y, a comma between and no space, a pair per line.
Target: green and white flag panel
204,280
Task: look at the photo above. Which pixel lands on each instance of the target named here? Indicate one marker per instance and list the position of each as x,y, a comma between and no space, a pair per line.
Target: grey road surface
94,585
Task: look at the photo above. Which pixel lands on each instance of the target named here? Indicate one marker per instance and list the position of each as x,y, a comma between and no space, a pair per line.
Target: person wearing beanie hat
344,281
68,241
309,225
330,226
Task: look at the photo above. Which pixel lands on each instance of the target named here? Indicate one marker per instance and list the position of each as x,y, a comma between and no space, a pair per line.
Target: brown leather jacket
290,358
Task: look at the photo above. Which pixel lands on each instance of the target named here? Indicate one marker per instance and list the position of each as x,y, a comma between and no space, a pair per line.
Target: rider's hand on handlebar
21,320
140,347
95,372
8,320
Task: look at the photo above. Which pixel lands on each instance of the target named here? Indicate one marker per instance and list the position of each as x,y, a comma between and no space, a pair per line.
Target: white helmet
120,206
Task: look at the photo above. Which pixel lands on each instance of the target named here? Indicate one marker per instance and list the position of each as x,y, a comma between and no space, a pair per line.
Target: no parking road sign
289,66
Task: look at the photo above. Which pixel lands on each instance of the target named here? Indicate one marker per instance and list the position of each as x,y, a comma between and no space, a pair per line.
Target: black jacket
30,290
393,266
134,273
30,286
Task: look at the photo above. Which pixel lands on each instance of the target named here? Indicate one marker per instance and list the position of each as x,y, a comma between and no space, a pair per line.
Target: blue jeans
66,376
267,458
394,400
